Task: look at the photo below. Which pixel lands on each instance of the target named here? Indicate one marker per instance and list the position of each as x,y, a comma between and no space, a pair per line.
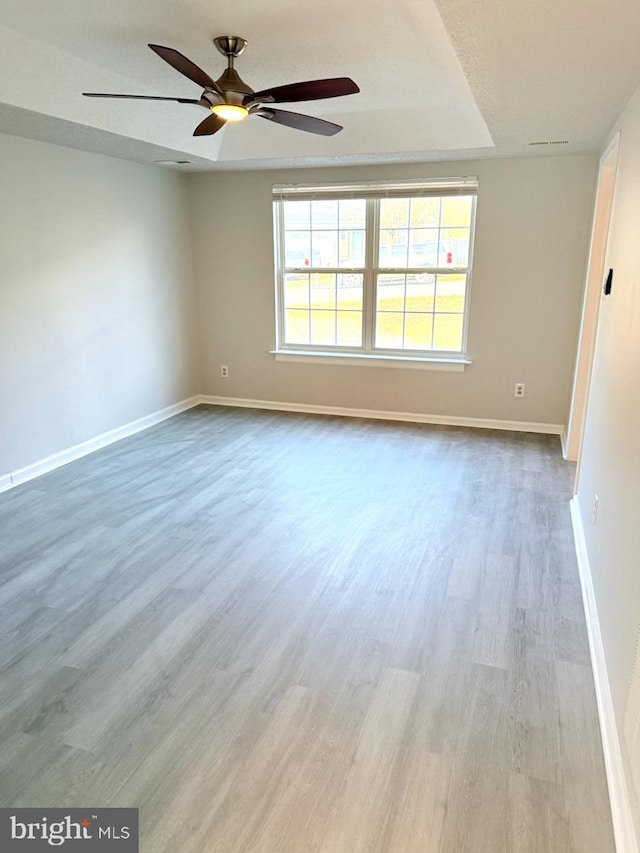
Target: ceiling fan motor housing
233,86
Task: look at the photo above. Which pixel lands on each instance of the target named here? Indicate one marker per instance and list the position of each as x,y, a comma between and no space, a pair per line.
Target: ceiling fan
230,99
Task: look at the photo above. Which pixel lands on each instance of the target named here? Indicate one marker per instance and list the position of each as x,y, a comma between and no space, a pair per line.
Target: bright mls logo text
74,828
54,833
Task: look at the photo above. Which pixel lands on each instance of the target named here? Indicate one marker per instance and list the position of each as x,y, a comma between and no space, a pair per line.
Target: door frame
573,438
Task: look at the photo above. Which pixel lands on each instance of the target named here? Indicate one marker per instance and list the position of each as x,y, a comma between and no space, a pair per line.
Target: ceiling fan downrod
230,46
230,82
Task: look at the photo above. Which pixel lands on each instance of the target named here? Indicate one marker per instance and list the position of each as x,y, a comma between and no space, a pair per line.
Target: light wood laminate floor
288,634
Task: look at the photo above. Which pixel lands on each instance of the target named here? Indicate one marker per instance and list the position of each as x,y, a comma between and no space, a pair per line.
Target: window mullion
371,254
280,274
468,273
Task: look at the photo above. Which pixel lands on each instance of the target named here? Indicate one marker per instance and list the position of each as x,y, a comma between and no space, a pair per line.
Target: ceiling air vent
551,142
173,162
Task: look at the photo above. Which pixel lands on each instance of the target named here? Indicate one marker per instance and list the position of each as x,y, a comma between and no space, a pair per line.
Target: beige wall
97,310
96,297
610,464
530,257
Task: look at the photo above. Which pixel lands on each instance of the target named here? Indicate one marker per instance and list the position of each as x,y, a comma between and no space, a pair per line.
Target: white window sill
373,360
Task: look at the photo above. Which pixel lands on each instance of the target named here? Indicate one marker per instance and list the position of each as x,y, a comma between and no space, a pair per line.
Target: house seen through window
377,270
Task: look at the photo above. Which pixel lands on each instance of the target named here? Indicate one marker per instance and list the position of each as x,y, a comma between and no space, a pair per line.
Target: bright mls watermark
76,830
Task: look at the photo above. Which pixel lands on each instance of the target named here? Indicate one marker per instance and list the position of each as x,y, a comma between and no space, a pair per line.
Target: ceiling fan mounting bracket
230,46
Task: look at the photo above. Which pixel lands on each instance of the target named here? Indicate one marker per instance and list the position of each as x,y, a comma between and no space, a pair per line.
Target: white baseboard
621,809
412,417
77,451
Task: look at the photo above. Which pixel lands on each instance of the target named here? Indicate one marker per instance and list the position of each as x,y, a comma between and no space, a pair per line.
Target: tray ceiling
455,79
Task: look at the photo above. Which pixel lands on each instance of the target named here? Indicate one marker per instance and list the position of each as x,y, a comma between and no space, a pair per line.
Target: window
375,269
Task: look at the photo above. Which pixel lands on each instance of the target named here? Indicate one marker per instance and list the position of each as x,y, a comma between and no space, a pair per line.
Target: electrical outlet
224,371
595,508
518,389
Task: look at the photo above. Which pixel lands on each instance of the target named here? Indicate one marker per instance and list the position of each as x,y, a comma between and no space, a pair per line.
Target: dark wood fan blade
209,126
312,90
299,121
141,97
185,66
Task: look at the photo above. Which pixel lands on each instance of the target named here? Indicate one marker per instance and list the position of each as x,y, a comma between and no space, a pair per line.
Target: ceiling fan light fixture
230,112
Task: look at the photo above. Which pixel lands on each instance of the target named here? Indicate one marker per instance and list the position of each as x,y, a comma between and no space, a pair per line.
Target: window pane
352,248
296,290
393,248
389,330
390,296
323,290
456,240
425,211
394,212
353,213
350,291
447,332
420,292
423,247
349,328
456,210
450,293
297,249
323,327
324,214
417,331
296,327
325,249
297,214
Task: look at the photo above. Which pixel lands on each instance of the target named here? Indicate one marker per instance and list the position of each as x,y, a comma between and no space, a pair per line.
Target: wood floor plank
116,618
478,813
417,820
537,823
360,817
495,612
259,783
582,762
534,705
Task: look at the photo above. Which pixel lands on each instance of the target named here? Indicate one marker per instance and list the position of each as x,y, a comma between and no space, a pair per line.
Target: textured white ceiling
549,69
462,78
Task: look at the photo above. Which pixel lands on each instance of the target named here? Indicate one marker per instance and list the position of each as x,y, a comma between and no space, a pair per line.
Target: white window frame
368,354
